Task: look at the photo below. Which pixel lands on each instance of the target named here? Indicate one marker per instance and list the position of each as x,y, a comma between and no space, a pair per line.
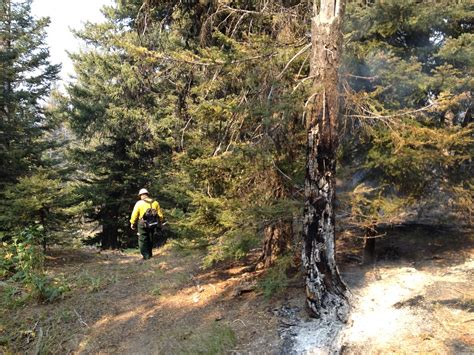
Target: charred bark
325,291
369,245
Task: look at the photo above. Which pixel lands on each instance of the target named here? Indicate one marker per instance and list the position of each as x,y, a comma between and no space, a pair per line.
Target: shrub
22,260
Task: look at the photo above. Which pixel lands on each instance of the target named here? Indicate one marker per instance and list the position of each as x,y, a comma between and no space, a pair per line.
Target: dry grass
118,304
421,302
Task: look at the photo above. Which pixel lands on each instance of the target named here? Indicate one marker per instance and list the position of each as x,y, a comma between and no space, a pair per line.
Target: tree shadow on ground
415,246
165,305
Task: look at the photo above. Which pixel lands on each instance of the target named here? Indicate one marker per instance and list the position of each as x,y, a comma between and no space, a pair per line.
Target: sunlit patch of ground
420,301
409,310
118,304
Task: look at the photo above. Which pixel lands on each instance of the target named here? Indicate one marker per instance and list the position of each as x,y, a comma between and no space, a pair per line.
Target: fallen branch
80,319
38,343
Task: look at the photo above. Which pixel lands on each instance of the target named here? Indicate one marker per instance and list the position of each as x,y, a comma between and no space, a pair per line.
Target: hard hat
143,191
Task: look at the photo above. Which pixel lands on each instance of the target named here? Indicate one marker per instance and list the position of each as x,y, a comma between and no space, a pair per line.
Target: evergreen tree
112,108
236,117
26,77
409,90
190,90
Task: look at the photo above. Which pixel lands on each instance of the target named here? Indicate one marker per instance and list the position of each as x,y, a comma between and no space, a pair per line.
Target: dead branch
304,49
80,319
38,342
382,117
370,78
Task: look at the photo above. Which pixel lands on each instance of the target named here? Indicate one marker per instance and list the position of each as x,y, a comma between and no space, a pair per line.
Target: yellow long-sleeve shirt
141,207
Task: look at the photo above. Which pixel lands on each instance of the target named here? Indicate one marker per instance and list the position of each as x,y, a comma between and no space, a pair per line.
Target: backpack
151,218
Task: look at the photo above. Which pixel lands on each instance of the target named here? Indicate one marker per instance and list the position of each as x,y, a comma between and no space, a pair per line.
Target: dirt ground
167,305
417,297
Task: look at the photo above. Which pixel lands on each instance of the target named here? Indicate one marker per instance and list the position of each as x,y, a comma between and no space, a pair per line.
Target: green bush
234,245
22,260
45,289
22,255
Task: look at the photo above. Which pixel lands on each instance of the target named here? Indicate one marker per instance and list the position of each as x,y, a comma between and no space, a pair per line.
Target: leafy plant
22,261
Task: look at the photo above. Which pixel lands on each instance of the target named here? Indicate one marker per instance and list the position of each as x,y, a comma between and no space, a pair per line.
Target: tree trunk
325,291
109,237
278,239
369,245
42,214
278,235
6,47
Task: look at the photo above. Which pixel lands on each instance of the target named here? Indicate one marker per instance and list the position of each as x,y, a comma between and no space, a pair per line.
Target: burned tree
325,290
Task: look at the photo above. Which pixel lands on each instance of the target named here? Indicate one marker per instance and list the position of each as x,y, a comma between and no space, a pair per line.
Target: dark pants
145,240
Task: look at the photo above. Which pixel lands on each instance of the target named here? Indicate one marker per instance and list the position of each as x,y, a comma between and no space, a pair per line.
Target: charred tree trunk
325,291
369,245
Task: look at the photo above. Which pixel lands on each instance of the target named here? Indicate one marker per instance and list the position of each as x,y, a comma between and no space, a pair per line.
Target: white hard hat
143,191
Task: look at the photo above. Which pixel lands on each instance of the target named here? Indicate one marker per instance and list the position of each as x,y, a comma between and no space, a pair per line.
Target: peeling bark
325,291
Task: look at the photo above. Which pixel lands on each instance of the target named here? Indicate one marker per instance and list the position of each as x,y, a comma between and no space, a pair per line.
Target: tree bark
369,245
6,46
42,214
278,234
109,237
278,239
325,291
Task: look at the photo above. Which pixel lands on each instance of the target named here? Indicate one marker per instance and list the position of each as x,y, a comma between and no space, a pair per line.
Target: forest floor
417,297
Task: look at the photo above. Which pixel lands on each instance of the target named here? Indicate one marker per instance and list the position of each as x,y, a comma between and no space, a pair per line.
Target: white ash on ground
396,308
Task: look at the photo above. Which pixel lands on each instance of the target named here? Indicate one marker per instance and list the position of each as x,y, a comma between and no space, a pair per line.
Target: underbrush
22,266
209,339
233,246
277,277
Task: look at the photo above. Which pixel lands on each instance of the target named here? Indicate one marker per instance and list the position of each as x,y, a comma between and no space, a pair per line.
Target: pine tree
230,117
112,108
409,88
26,77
